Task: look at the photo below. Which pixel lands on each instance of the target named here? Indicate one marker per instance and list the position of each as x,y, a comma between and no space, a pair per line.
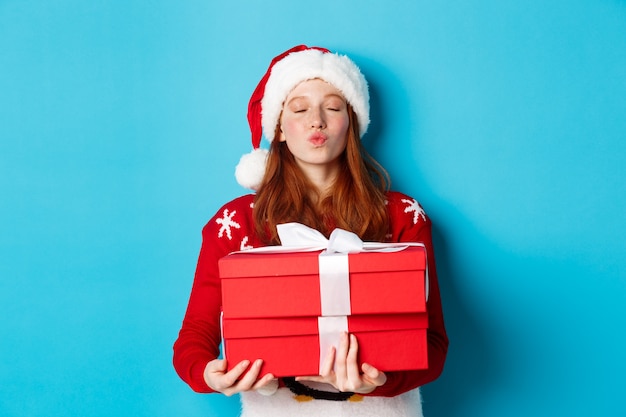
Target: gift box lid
262,264
287,284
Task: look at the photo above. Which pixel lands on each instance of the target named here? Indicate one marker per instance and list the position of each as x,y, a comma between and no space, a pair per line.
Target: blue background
121,123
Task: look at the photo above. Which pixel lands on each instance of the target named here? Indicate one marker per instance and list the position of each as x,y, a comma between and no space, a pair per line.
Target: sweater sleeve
199,338
399,382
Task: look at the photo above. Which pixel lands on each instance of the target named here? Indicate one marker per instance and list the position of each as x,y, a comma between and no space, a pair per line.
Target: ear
282,137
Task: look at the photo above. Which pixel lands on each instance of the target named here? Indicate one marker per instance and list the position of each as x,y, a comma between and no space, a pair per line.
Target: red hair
355,202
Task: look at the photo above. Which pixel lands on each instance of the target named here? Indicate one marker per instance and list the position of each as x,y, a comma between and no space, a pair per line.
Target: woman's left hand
346,375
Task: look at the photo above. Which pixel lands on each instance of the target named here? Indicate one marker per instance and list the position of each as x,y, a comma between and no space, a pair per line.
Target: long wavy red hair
355,202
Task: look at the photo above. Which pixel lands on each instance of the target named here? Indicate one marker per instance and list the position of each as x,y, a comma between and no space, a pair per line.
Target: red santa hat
285,72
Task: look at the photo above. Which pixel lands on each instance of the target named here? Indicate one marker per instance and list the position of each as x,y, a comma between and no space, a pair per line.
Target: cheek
288,128
342,125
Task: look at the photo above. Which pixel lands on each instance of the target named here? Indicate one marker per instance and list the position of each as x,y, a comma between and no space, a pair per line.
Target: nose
316,119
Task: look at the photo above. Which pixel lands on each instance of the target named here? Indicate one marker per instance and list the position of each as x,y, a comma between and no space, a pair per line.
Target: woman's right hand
231,382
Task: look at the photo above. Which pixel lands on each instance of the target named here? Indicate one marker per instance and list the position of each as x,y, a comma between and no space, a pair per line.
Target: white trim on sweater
284,404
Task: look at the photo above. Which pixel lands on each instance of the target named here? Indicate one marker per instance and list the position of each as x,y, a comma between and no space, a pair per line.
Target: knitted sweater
232,229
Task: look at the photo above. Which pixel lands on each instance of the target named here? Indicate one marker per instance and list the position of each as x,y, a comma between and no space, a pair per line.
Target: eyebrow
327,96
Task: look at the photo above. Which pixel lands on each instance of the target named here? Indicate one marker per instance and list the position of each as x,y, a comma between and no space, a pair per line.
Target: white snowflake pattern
227,224
414,207
244,244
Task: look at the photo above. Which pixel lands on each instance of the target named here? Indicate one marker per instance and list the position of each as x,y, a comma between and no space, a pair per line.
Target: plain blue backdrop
121,123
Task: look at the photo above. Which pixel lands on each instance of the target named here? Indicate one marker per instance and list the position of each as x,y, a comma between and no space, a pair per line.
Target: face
314,123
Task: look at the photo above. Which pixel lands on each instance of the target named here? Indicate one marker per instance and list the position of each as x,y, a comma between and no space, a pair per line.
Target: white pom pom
251,168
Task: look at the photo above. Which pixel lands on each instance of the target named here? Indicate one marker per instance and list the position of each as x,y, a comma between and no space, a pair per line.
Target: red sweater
232,229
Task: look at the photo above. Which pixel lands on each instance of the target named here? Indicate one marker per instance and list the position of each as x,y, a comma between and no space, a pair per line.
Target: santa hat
285,72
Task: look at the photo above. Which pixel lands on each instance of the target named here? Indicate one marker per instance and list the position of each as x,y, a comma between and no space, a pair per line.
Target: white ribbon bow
296,236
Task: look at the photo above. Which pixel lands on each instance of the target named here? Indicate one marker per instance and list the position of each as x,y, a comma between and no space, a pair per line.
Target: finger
215,377
250,377
340,356
327,366
217,365
265,380
312,378
373,375
211,368
209,371
326,372
224,381
352,370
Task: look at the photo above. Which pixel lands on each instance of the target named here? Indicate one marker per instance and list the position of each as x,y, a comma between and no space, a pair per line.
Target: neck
321,176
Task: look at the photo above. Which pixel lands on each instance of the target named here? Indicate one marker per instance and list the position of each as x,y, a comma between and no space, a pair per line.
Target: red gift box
272,304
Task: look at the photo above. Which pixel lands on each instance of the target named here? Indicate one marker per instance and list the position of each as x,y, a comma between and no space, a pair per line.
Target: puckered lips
318,139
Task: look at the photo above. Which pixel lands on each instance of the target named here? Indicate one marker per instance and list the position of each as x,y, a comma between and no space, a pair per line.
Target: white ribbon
330,329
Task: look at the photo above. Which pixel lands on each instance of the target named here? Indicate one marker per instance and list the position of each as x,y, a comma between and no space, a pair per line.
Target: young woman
313,107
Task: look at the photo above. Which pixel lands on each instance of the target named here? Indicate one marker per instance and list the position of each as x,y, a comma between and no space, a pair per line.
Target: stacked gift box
287,308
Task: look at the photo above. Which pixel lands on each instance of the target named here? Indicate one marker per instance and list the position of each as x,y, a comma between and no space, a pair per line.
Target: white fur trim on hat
251,168
335,69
